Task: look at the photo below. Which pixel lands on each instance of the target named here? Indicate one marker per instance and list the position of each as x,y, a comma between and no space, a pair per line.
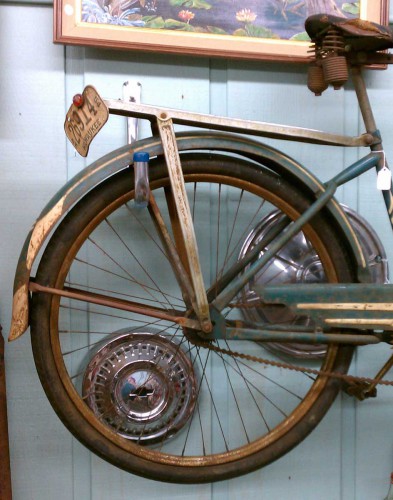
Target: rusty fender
121,158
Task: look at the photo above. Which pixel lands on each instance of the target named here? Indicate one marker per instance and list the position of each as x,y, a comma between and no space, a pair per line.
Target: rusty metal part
349,379
5,468
333,42
369,58
335,70
360,387
365,306
176,229
168,137
116,303
271,335
173,256
261,129
330,55
316,79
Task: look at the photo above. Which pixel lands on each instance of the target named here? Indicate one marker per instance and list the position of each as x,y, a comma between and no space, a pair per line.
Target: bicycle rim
135,389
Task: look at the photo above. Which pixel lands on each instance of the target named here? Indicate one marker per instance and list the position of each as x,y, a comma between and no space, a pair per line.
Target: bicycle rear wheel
135,389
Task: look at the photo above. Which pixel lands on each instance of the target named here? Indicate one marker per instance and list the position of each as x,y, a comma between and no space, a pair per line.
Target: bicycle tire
229,186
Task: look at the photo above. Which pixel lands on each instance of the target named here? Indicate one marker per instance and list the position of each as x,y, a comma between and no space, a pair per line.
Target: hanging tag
384,179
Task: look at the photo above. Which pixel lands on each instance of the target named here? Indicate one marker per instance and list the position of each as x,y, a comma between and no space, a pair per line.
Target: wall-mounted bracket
132,93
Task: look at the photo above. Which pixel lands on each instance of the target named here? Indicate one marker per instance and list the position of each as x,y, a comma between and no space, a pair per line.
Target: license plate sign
85,118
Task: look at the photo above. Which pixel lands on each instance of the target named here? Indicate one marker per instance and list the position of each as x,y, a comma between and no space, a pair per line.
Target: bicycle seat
358,33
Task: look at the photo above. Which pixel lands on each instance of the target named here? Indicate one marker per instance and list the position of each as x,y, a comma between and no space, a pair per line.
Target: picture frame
201,27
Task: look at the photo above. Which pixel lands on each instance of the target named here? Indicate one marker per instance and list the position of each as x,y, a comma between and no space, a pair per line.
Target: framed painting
252,29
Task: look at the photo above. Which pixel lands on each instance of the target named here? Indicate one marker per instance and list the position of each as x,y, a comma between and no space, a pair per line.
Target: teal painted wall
350,455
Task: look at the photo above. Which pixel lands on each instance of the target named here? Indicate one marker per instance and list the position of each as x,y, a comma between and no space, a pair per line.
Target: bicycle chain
311,371
341,376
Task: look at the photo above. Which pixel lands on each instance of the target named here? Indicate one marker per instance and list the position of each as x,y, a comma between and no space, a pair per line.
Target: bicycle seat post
364,104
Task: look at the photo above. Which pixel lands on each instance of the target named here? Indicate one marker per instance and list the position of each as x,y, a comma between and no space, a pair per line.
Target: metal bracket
132,94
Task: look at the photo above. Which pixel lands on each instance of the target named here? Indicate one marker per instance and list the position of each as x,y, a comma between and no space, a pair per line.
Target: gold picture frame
130,25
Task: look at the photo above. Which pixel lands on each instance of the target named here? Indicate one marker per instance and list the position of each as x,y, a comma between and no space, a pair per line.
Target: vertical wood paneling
5,471
374,457
32,169
349,456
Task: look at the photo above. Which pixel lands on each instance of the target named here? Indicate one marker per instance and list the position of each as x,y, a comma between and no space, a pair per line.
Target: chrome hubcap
141,385
298,262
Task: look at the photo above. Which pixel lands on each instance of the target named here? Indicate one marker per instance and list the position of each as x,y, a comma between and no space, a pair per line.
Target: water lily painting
253,29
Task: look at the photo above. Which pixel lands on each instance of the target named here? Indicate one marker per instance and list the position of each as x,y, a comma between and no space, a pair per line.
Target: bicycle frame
363,297
364,305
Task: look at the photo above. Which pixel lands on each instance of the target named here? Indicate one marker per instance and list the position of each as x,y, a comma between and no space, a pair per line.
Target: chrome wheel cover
297,262
141,385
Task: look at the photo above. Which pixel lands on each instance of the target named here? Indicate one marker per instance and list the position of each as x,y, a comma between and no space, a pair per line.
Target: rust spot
40,231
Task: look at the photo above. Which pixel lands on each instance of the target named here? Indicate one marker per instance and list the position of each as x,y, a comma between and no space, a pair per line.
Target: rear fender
121,158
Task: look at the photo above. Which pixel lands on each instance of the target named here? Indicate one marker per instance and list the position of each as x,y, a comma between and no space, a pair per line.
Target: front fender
121,158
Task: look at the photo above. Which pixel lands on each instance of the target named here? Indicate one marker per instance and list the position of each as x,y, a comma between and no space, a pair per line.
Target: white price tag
384,179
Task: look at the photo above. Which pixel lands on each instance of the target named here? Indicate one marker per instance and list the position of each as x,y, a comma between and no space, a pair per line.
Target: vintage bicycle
204,336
